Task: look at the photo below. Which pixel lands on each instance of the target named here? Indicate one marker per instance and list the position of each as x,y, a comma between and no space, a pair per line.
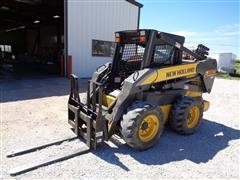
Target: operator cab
139,49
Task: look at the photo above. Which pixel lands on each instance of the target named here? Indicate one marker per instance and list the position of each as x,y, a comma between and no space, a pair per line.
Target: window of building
103,48
6,48
2,48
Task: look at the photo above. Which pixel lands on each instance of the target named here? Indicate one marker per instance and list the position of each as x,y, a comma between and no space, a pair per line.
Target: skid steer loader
147,85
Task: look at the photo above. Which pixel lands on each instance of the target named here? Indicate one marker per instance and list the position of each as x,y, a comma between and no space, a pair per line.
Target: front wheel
142,125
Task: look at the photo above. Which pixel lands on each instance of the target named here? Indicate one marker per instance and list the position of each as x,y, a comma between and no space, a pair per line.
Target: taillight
212,72
117,38
142,38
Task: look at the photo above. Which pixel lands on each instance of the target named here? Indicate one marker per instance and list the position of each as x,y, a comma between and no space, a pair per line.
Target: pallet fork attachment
48,161
86,119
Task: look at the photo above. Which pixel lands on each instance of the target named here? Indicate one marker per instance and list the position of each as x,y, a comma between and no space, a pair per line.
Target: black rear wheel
186,115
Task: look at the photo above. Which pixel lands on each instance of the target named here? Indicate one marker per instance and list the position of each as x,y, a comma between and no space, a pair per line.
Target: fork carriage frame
87,120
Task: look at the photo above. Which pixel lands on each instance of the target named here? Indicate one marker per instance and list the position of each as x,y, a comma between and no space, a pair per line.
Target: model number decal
180,72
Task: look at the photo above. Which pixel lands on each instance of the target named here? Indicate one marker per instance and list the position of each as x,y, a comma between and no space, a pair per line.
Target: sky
214,23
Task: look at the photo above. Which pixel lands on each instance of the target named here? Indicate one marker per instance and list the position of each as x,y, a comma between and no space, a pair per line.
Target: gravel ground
34,111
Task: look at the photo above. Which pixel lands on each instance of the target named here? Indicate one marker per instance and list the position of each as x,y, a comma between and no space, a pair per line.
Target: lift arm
201,51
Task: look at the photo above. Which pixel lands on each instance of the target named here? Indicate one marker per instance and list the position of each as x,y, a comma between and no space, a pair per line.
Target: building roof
135,3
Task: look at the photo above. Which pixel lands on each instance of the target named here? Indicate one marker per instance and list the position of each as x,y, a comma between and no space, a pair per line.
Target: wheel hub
193,117
149,128
144,126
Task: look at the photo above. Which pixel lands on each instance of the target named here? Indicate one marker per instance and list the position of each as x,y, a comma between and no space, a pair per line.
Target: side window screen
163,54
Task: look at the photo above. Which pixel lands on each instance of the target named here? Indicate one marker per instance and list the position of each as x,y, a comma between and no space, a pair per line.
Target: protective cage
132,52
131,59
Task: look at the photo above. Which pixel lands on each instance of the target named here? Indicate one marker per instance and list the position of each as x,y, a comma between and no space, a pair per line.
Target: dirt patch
35,112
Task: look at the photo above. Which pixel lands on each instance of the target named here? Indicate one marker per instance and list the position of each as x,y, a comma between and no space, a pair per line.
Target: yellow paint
191,76
193,117
172,72
206,105
193,93
149,128
108,100
166,111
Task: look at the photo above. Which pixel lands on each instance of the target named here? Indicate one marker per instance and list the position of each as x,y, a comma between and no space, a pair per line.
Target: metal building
225,61
90,30
36,36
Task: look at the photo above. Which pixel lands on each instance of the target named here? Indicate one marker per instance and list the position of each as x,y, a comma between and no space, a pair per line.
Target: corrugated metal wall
89,20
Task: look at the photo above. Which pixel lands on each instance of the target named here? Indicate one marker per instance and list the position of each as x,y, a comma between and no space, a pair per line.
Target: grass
233,77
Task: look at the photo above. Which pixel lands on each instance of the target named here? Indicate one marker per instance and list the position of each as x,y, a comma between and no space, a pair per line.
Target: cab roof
131,33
